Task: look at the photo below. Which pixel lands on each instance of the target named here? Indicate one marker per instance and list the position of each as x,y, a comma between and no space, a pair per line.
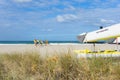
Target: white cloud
80,0
70,8
118,5
22,1
103,20
66,18
1,1
47,30
60,18
107,21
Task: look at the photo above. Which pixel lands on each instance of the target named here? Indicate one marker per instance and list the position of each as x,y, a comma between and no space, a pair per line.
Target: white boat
110,34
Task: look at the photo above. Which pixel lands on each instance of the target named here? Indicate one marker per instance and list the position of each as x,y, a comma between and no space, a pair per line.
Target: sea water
31,42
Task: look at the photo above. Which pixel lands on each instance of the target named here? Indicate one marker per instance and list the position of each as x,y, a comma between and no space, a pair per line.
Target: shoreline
33,43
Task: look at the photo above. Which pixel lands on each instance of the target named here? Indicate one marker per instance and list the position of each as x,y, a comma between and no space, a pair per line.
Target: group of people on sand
40,42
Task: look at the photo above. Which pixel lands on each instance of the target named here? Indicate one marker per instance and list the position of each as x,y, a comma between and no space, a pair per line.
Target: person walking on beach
35,42
41,42
46,42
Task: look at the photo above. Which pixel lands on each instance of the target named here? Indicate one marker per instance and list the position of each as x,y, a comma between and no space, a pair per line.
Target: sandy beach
54,48
22,65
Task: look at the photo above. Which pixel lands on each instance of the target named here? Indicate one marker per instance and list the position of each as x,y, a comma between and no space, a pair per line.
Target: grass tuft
31,66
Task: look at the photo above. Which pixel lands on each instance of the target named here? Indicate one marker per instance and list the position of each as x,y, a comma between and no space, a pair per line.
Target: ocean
31,42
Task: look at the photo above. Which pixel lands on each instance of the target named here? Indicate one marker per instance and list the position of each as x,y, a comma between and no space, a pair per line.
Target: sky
57,20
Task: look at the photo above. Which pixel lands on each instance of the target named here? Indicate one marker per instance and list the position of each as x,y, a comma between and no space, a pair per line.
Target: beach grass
32,66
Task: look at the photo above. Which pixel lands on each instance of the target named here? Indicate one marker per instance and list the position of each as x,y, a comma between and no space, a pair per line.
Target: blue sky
55,19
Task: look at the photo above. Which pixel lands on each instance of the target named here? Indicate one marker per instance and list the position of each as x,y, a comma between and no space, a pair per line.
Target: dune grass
32,66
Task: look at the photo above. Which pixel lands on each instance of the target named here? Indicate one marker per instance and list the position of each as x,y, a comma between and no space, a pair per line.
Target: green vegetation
31,66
